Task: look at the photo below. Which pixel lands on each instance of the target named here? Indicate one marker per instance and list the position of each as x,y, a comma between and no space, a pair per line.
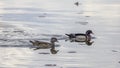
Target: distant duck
44,45
76,3
80,37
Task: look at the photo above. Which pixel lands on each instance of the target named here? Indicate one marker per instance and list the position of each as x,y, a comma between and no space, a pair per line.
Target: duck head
88,32
54,40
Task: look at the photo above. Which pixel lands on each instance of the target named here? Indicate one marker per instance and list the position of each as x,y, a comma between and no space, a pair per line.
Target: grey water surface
25,20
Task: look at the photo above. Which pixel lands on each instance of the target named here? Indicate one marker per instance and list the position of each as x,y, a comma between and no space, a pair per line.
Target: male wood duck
80,37
44,45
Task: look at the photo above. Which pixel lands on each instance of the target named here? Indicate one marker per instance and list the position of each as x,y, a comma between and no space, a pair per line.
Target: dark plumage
80,37
76,3
41,44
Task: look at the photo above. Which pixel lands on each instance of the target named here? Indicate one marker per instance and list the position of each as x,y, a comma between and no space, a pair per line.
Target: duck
76,3
44,45
80,37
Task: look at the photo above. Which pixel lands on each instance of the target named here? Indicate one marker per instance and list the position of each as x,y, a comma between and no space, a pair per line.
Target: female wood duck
80,37
44,45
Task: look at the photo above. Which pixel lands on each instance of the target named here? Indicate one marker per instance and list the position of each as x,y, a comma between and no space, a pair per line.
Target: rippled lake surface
25,20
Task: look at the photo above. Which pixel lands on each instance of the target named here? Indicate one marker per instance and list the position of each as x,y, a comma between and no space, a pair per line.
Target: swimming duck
44,45
80,37
76,3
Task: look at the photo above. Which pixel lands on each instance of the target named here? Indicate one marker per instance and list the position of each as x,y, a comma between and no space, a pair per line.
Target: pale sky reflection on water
61,17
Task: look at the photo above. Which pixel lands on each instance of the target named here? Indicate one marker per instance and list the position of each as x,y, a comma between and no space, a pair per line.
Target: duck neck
88,37
53,45
52,42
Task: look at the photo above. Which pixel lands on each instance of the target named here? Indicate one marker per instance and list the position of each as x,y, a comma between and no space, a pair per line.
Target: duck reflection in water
80,37
46,45
53,50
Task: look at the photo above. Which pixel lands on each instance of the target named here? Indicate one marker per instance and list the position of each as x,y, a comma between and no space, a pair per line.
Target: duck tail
31,41
67,34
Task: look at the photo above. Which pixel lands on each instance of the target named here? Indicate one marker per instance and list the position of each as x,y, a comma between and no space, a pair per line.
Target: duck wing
80,34
43,44
39,43
80,37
